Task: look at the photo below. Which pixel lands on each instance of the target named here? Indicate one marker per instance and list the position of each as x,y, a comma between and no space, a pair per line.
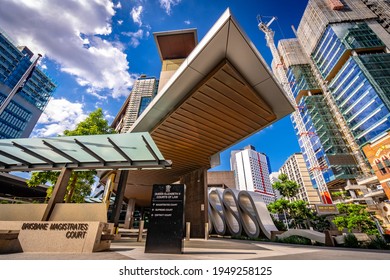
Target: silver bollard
206,231
140,231
188,231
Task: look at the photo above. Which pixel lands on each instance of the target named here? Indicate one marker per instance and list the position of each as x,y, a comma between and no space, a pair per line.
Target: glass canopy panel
92,151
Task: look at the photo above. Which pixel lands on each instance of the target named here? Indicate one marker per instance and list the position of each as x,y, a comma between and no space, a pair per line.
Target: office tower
251,172
26,106
144,90
273,178
295,169
350,52
332,152
338,71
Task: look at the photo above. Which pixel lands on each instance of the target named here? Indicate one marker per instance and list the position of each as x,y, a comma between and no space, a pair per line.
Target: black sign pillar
166,224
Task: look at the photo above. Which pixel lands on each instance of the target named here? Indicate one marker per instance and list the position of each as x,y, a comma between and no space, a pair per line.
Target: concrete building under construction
337,70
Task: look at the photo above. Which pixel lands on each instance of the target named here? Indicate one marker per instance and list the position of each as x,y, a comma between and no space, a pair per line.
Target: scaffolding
314,165
331,150
319,14
382,9
295,56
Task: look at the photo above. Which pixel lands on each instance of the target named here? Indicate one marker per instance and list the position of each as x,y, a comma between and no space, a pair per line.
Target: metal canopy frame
130,151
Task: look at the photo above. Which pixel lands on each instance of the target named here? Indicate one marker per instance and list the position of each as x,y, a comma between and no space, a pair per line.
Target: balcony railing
367,179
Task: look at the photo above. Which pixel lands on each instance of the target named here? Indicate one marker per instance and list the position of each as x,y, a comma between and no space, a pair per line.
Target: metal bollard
206,231
140,231
188,231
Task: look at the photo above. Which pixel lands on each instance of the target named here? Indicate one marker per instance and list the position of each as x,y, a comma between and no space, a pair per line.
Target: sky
95,49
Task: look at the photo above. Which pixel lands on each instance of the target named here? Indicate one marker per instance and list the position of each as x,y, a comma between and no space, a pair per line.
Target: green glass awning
110,151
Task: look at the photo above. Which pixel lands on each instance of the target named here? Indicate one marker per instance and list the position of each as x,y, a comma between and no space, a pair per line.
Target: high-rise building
334,157
251,172
26,106
295,169
382,9
351,52
144,90
273,178
338,70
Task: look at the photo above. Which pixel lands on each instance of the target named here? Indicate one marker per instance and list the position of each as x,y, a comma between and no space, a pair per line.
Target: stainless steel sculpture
231,211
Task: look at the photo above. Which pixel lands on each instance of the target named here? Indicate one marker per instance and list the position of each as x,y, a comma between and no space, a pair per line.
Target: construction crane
314,166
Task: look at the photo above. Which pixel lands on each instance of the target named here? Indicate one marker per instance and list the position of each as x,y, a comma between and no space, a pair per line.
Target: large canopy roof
131,151
222,93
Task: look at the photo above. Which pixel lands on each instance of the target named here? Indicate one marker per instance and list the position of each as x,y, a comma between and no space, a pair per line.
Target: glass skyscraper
355,62
21,114
339,73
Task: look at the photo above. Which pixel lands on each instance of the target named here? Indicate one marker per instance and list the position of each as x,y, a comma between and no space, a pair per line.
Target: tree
298,210
301,213
355,216
286,187
80,182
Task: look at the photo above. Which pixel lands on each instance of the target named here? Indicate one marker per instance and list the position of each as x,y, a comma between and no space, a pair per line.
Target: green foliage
350,241
279,206
298,210
378,243
320,223
341,194
280,225
94,124
80,182
295,240
355,216
286,187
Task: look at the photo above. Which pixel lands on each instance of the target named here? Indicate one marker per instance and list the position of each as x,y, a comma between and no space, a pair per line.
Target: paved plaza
215,249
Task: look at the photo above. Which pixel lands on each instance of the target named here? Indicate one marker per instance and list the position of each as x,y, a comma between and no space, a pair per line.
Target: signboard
166,225
64,236
327,209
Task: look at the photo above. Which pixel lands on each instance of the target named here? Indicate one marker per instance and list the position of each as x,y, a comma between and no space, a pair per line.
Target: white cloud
136,15
120,22
59,115
187,22
135,37
168,4
59,30
118,6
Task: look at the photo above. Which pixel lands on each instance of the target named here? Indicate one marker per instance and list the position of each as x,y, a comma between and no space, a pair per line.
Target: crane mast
314,166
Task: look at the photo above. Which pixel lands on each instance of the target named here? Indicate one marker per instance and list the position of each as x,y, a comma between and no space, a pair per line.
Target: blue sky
95,49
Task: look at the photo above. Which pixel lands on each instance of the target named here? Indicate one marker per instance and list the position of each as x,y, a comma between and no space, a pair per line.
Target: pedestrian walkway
215,249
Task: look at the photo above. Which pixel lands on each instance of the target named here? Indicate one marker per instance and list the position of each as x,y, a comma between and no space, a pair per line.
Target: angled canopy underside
221,94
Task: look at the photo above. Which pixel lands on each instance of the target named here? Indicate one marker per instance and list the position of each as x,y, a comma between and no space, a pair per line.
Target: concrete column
129,214
196,201
140,230
59,192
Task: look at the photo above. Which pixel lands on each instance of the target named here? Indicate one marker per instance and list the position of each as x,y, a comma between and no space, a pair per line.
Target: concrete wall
22,212
221,178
